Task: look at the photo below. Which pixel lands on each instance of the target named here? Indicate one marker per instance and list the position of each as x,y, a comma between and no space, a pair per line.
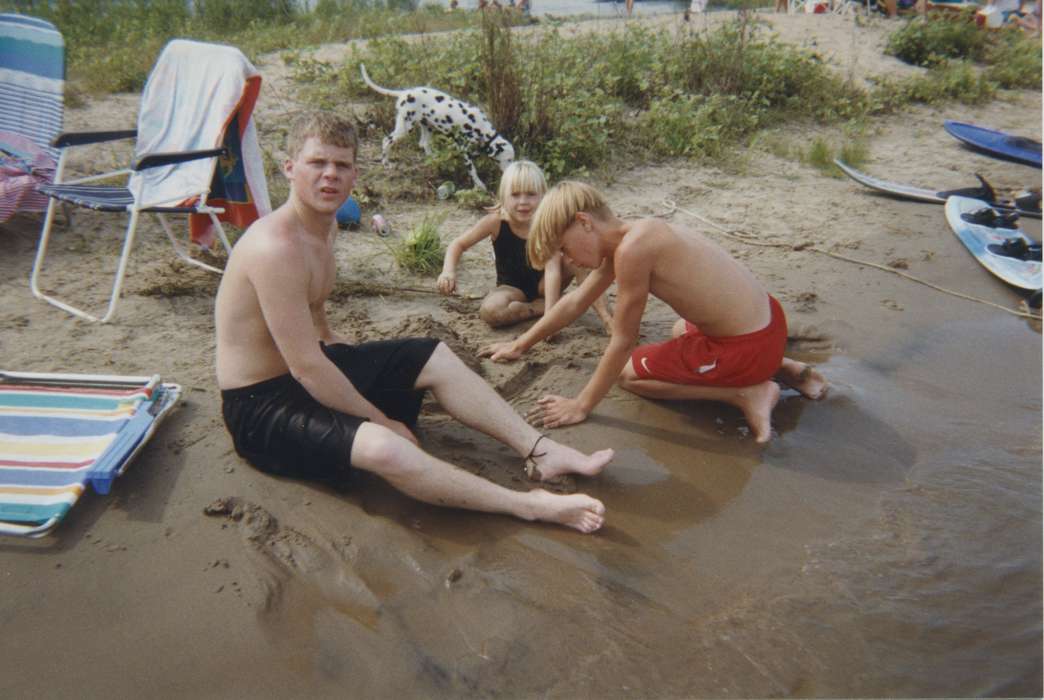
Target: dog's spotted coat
430,109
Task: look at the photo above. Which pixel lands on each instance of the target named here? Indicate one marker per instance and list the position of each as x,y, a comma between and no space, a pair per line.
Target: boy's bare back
692,275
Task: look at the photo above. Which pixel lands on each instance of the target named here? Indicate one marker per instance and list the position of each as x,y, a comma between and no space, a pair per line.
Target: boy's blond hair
520,176
557,210
326,127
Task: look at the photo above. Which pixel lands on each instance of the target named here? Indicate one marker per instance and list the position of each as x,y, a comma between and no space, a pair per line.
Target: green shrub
421,252
950,81
933,40
1015,61
820,156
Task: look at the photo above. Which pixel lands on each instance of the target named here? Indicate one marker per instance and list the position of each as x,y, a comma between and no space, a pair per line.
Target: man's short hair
557,210
326,127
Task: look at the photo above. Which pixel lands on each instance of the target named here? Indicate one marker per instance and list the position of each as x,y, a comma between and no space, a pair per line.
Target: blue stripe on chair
67,426
26,21
40,476
28,513
101,198
97,197
31,57
61,401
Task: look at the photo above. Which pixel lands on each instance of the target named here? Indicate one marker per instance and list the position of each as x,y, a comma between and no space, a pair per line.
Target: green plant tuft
931,41
421,252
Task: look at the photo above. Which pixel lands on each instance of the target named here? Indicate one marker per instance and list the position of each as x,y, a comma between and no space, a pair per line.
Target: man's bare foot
757,403
578,511
803,378
552,459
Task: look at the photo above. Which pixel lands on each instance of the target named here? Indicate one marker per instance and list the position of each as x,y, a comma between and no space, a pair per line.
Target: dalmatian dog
429,109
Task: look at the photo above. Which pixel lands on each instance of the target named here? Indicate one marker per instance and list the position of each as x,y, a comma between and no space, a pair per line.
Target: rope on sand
752,239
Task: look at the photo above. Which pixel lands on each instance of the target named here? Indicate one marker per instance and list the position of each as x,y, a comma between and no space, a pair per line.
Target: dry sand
307,589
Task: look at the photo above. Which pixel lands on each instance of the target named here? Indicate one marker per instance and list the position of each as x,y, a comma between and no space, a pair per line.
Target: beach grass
638,93
421,251
113,44
573,102
1012,59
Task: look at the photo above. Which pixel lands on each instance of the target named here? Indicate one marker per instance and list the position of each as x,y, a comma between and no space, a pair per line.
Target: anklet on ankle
529,464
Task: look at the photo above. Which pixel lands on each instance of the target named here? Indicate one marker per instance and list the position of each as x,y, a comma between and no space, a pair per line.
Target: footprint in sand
286,557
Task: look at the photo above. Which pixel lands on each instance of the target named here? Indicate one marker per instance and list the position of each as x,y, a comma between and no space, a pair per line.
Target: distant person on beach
1027,17
521,292
727,346
299,401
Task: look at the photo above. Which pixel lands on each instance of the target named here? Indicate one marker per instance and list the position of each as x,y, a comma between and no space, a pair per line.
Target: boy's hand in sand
501,352
447,283
557,411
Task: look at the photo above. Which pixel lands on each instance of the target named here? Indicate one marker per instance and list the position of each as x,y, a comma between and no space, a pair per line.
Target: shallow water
887,542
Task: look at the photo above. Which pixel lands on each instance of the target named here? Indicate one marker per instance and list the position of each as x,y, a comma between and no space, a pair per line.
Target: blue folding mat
32,85
59,432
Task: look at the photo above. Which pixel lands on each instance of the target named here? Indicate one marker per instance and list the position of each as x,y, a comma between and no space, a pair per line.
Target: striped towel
32,82
201,96
55,438
23,166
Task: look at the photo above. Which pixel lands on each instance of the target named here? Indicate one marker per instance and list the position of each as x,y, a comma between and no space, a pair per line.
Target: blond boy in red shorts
727,346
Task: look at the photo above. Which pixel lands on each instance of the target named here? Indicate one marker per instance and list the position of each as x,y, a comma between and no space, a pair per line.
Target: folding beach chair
59,432
196,153
32,84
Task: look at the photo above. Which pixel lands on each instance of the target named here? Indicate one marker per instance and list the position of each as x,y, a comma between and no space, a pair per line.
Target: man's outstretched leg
469,399
426,478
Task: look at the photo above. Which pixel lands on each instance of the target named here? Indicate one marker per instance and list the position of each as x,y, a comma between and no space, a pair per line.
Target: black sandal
529,465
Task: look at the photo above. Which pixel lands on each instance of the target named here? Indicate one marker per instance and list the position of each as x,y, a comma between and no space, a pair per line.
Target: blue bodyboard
996,143
986,244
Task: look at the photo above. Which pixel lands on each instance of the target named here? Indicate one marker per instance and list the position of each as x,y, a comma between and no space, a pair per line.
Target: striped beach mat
59,432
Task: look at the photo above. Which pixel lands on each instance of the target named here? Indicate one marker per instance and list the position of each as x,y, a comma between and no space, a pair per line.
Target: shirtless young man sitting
299,401
727,346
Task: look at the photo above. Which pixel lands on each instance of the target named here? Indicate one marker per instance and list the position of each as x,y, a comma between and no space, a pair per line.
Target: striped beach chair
32,85
60,432
196,153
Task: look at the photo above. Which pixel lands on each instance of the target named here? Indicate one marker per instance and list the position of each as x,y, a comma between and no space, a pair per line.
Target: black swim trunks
279,428
513,268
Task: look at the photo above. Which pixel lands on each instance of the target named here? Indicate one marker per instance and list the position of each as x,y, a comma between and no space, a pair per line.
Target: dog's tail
375,86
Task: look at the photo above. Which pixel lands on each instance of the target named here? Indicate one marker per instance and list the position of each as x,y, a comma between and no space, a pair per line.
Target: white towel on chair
193,92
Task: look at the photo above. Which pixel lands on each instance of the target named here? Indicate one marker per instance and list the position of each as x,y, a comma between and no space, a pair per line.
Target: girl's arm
552,281
485,227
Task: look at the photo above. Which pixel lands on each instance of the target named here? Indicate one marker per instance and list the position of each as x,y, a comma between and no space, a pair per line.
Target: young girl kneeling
521,292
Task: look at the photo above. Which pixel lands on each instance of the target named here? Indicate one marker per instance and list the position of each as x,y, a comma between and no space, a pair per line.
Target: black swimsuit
278,427
513,268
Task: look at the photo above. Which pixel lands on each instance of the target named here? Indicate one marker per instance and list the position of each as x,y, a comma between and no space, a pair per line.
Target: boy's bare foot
577,510
803,378
552,459
757,403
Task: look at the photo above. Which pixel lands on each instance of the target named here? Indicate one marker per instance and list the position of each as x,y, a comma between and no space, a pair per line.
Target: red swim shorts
695,358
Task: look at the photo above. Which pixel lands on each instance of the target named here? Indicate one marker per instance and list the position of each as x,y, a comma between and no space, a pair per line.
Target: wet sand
886,543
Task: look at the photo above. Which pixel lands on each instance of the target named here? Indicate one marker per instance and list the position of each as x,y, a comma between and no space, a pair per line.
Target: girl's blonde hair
557,210
520,176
